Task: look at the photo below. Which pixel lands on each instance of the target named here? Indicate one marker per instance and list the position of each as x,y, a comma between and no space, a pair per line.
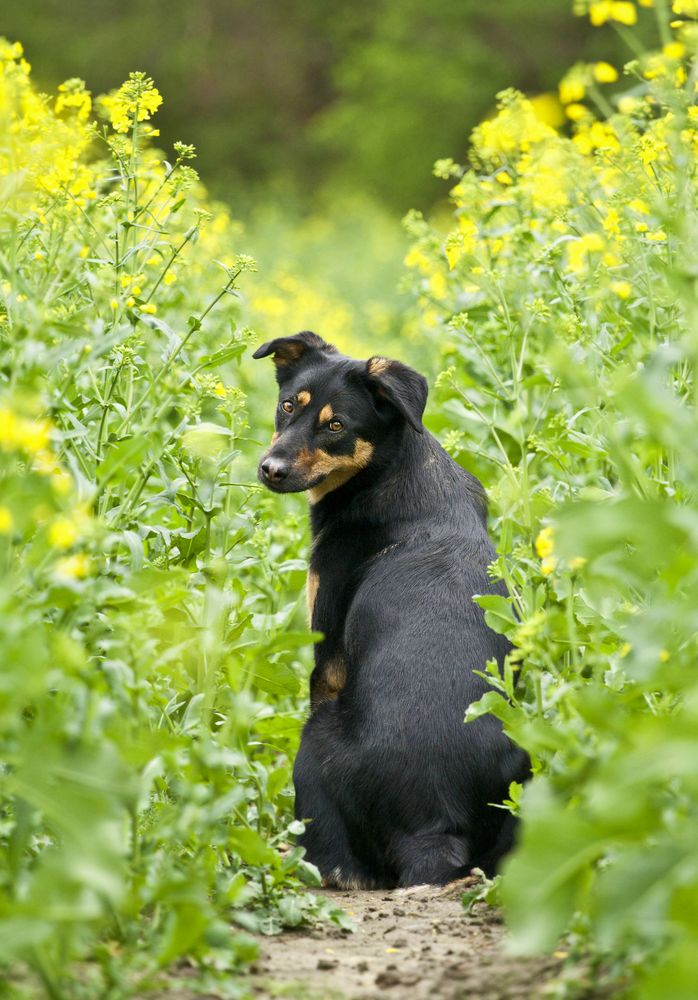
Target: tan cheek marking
377,366
275,437
303,397
326,414
311,588
338,469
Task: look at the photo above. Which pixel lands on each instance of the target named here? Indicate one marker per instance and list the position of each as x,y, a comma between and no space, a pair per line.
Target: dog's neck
410,477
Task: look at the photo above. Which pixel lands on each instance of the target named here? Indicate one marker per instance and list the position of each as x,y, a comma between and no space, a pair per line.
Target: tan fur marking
303,397
275,437
377,366
290,352
311,588
329,683
326,414
337,469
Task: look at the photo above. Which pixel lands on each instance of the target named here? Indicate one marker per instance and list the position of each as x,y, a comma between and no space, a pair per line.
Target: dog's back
397,787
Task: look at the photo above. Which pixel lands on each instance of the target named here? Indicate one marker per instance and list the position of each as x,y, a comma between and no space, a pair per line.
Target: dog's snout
274,469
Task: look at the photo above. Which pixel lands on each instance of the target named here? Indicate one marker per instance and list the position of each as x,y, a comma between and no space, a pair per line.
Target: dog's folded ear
287,350
401,386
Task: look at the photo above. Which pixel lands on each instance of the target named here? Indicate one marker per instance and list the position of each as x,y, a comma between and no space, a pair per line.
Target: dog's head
335,415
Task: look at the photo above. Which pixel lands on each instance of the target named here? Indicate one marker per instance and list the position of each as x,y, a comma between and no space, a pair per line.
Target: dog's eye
287,406
336,425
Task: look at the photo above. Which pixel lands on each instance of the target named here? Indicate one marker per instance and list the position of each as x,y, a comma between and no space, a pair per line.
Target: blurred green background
287,101
318,124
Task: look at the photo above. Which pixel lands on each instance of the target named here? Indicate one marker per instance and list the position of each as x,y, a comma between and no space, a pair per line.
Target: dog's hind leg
429,858
326,838
489,861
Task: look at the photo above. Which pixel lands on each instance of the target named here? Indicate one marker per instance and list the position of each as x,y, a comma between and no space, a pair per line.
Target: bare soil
408,944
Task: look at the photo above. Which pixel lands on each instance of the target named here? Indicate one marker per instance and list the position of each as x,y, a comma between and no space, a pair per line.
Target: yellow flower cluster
42,148
26,434
545,549
136,100
590,201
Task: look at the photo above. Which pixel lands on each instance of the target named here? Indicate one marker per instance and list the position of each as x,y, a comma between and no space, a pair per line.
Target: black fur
396,788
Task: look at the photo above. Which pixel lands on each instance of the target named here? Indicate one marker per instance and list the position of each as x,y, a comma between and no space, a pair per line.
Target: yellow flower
461,241
547,565
61,482
18,432
62,533
578,250
75,567
545,542
546,108
220,391
612,10
687,7
6,521
610,223
135,101
629,105
623,12
579,562
663,655
73,98
623,289
576,111
170,278
674,50
149,308
605,73
571,87
514,130
657,236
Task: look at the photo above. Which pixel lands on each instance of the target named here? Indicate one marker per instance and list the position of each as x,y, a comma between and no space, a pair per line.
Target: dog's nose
274,469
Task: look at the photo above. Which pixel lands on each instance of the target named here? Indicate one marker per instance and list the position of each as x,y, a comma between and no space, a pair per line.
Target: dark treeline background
284,99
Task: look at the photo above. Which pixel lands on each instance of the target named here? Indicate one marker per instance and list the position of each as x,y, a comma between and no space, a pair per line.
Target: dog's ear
402,386
289,350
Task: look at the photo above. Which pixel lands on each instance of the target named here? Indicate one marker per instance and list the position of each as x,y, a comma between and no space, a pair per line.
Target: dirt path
408,944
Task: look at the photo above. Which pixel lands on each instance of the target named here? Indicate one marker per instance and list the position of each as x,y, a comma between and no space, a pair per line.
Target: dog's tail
427,858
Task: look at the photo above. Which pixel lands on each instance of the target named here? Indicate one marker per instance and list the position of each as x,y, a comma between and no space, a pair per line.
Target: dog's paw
338,878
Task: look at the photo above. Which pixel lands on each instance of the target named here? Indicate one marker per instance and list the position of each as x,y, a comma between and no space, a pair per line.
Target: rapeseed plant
571,391
147,717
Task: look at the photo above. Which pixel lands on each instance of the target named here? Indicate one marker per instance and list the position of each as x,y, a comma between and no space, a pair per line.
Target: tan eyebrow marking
303,397
326,413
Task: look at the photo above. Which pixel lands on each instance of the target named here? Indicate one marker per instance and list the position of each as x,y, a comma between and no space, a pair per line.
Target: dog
395,789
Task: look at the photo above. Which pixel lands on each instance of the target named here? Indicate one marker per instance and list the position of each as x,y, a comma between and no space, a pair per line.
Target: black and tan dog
396,788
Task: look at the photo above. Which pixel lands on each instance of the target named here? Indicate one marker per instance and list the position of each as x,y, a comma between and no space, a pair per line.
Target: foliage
563,296
283,100
151,651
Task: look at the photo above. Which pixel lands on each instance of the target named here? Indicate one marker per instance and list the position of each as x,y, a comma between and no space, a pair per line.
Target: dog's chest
333,575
